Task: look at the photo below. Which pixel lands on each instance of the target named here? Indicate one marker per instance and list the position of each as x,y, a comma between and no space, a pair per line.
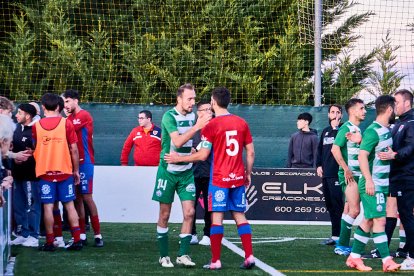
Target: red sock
50,238
95,225
216,235
82,225
57,224
75,233
245,233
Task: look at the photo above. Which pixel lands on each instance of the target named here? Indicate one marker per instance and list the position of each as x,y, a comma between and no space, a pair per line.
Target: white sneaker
194,239
165,262
59,242
31,242
184,260
19,240
407,264
205,240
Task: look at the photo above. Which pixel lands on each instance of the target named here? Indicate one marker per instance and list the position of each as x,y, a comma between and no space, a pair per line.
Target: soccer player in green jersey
345,150
373,186
178,126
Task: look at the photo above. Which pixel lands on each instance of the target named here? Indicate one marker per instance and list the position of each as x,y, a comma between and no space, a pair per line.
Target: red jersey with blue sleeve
83,123
228,135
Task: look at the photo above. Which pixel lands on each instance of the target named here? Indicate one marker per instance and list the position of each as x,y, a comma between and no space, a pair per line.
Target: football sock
360,240
162,237
245,232
50,237
57,223
390,227
82,225
75,233
216,235
185,240
346,228
96,225
381,243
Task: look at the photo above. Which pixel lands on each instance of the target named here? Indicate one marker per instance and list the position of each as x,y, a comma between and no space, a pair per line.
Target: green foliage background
141,51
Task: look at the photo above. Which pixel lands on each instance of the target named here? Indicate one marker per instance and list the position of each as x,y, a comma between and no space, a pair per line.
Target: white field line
263,266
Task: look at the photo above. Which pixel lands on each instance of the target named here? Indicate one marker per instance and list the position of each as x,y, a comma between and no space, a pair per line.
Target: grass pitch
131,249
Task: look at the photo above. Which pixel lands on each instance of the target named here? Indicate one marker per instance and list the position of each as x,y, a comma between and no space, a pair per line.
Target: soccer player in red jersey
226,135
83,123
57,166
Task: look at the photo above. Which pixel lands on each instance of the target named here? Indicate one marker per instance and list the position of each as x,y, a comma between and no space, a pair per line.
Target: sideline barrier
123,194
5,232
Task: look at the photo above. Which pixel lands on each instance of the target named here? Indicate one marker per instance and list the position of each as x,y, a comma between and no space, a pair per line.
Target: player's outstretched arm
180,139
174,157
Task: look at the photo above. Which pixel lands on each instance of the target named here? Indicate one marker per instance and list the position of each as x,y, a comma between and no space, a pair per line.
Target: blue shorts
63,191
86,179
226,199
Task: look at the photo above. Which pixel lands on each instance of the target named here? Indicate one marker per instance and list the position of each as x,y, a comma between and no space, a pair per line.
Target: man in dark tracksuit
26,192
327,168
402,168
201,171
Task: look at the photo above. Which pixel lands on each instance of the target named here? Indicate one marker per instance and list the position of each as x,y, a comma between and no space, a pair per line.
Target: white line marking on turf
263,266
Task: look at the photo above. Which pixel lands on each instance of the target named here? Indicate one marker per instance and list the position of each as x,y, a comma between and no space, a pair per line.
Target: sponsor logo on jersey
76,121
328,140
190,188
219,196
45,189
232,177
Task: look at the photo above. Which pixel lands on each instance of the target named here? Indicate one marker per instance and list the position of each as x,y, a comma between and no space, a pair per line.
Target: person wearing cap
146,138
26,193
37,117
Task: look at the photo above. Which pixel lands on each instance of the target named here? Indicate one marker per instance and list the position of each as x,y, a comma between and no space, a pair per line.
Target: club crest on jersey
155,132
379,208
400,128
158,193
219,196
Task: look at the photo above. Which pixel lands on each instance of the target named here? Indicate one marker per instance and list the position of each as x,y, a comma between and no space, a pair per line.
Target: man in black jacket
402,168
26,193
303,144
327,168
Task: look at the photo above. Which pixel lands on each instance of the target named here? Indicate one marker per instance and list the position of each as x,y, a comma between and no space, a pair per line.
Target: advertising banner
284,195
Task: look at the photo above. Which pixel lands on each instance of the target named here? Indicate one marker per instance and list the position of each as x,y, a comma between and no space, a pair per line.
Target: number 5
231,141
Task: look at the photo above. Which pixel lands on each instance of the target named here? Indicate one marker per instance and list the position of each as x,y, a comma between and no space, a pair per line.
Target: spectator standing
7,128
146,140
26,193
303,144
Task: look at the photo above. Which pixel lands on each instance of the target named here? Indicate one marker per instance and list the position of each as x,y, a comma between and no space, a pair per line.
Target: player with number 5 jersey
226,136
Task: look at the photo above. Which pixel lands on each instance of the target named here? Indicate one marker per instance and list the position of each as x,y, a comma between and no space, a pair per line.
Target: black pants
201,184
334,201
405,202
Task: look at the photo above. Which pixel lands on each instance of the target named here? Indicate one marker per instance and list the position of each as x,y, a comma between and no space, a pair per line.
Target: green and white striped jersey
377,138
349,149
173,121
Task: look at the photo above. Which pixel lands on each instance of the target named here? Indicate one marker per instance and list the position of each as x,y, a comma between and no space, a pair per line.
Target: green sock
184,244
360,241
346,228
381,242
162,238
